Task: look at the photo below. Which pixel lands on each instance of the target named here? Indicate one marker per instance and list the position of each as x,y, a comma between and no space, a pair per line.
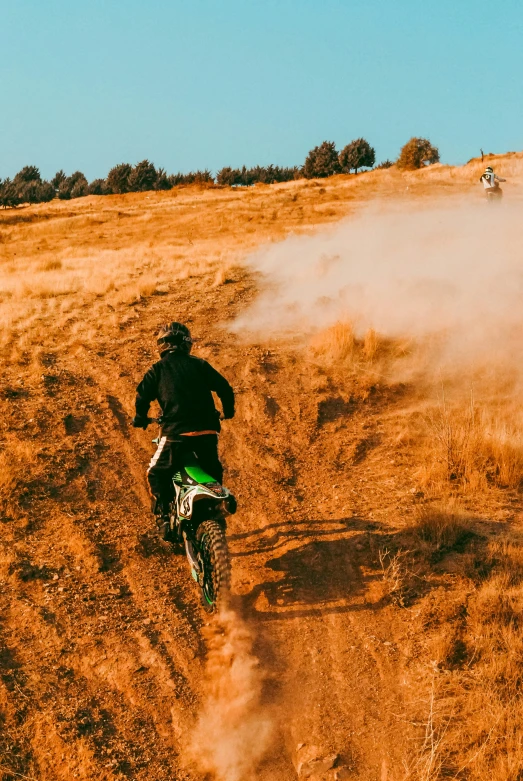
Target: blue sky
207,83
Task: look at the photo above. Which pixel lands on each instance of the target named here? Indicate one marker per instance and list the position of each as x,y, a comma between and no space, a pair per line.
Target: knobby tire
217,566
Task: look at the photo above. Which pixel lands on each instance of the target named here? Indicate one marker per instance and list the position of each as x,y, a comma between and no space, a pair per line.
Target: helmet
174,336
489,169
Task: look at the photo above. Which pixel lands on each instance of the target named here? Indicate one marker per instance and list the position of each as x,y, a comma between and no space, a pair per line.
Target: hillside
377,550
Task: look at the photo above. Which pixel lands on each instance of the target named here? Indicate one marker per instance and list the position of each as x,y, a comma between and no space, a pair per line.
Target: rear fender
187,495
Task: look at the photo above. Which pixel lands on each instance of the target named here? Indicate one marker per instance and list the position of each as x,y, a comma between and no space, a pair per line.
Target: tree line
322,161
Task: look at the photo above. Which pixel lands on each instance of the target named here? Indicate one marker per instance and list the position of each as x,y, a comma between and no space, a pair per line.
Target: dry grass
474,712
396,573
441,526
471,633
474,446
337,345
438,529
371,344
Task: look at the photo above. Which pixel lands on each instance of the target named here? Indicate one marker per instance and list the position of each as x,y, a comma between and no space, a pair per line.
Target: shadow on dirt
75,424
119,413
306,528
320,566
286,532
318,575
333,409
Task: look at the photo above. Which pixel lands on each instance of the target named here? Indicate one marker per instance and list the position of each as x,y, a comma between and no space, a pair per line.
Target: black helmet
174,336
489,169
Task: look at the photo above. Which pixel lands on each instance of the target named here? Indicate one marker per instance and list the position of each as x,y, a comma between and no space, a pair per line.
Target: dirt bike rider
490,182
182,385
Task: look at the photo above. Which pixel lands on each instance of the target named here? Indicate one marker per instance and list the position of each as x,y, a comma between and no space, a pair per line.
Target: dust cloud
234,730
455,269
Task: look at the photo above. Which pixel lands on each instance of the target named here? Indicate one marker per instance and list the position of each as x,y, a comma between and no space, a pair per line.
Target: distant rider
490,182
182,385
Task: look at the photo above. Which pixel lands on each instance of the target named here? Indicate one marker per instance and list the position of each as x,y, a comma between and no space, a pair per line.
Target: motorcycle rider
182,385
490,182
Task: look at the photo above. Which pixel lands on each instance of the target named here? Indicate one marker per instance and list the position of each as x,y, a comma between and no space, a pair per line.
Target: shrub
385,164
321,161
142,177
357,154
118,178
416,153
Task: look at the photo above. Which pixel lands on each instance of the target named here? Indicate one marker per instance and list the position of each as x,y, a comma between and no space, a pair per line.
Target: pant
169,458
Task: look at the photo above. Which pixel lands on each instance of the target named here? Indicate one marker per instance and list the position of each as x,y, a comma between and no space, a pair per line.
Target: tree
35,192
385,164
28,187
162,180
143,177
98,187
74,186
8,195
267,174
29,173
46,192
58,178
357,154
118,178
193,177
416,153
80,187
203,177
321,161
228,176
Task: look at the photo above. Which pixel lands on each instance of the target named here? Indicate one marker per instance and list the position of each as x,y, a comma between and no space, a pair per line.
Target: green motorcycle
197,521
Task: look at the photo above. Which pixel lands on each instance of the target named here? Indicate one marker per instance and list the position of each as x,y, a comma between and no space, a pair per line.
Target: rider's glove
139,422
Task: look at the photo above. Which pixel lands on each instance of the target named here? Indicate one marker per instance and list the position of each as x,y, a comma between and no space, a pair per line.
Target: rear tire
214,555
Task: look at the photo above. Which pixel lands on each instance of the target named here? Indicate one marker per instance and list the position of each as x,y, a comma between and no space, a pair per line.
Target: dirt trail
102,642
101,624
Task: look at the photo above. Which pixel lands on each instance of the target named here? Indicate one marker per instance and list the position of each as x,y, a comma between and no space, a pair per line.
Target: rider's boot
164,527
161,510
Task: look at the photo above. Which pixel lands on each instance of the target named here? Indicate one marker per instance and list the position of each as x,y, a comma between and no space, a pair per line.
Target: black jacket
182,385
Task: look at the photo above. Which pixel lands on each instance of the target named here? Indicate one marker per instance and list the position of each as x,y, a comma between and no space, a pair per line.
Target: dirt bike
197,521
495,195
